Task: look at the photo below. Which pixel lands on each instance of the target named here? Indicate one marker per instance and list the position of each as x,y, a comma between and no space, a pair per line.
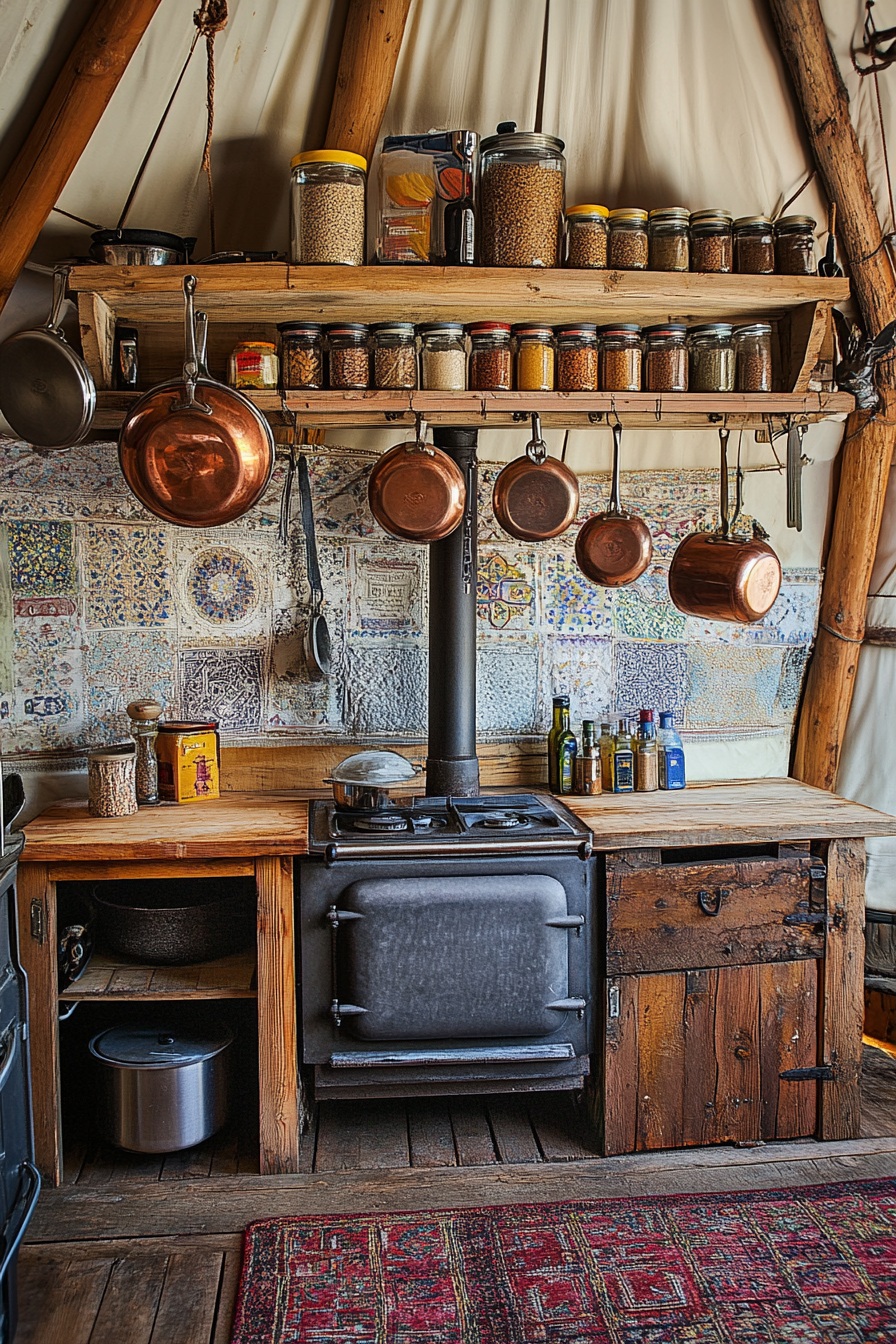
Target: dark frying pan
318,648
46,391
535,496
614,548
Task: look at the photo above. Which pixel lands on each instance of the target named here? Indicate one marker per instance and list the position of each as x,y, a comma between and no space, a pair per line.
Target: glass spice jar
534,359
712,241
522,179
586,237
301,355
349,356
668,239
394,355
443,357
711,358
754,245
666,358
619,359
253,364
577,358
327,194
627,246
753,357
795,245
491,362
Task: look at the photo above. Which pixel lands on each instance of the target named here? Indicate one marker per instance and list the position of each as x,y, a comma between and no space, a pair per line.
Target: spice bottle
586,237
588,771
671,754
627,246
712,241
623,761
144,716
301,355
254,364
349,356
711,358
394,355
646,758
327,193
668,239
619,359
534,359
753,357
795,245
443,357
666,358
577,358
522,179
754,245
605,747
491,363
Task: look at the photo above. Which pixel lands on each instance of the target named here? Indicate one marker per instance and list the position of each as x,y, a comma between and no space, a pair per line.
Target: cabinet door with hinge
697,1057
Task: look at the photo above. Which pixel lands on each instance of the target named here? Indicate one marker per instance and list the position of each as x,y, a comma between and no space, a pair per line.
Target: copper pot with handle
719,575
416,492
614,548
535,496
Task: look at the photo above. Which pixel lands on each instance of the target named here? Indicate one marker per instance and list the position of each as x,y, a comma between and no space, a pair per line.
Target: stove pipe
452,766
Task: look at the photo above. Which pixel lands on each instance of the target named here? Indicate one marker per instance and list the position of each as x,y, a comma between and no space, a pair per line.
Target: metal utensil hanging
318,646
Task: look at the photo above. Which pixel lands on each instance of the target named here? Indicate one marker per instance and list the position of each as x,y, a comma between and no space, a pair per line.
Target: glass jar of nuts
753,357
491,362
627,247
327,194
712,241
522,179
301,355
394,355
577,358
349,356
668,240
754,245
666,358
795,245
711,361
586,237
619,360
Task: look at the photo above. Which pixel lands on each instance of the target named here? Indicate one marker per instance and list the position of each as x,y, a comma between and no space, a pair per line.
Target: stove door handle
567,922
568,1006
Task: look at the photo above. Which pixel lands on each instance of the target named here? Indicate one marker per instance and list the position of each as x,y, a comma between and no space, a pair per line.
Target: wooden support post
282,1110
58,138
370,48
840,1113
35,898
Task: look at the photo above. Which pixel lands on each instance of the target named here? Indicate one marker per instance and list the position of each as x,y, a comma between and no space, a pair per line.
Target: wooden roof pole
367,61
69,117
868,443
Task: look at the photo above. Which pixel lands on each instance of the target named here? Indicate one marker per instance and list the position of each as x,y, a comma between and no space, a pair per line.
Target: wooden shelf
111,977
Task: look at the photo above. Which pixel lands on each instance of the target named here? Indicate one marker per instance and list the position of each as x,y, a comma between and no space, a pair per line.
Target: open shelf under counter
110,977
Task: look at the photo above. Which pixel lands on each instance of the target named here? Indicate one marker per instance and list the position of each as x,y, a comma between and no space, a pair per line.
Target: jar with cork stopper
144,716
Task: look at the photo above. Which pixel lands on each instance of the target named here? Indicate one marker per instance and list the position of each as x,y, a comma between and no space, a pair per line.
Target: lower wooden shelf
110,977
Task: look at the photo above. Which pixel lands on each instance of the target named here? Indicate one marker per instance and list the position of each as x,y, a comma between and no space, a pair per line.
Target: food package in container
426,199
189,762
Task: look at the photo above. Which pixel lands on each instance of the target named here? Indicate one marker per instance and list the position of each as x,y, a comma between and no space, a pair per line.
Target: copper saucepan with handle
416,492
614,548
721,576
535,496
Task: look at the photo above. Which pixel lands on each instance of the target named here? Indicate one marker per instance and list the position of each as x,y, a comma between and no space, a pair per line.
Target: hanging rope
210,19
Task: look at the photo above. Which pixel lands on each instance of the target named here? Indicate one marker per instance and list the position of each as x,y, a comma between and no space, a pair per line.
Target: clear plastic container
394,355
754,245
627,245
753,357
711,358
535,359
620,357
327,195
254,364
577,358
426,206
349,356
586,237
522,179
301,355
669,247
491,357
795,245
443,357
712,241
666,358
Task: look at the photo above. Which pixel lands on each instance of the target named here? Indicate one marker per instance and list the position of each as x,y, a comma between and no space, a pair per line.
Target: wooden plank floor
118,1255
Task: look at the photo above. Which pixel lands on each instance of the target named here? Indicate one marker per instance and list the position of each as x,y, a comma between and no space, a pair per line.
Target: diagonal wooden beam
58,138
370,47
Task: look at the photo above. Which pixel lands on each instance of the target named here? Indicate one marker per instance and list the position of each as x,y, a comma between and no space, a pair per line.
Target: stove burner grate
503,821
380,822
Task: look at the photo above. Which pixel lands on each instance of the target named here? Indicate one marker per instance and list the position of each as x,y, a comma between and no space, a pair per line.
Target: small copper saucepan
720,576
614,548
416,492
535,496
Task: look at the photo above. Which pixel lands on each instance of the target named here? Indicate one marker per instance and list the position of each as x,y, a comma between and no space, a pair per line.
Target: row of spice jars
352,356
674,240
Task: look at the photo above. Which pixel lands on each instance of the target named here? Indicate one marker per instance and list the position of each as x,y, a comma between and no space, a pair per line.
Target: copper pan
535,496
614,548
193,451
720,576
416,492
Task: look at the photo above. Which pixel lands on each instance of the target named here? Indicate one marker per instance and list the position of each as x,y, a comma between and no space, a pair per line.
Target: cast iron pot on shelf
175,922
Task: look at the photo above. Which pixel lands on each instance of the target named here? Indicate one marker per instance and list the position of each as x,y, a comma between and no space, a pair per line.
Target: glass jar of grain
666,358
795,245
711,358
522,179
754,245
327,192
586,237
619,359
349,356
627,246
301,355
577,358
491,362
712,241
253,365
753,357
443,357
394,355
535,359
669,246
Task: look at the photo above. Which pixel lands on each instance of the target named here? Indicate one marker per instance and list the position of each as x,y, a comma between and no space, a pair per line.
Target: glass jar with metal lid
327,194
619,359
669,240
254,364
301,355
349,356
627,246
753,357
586,237
666,358
795,245
394,355
711,358
443,357
522,179
491,361
535,358
577,358
754,245
712,241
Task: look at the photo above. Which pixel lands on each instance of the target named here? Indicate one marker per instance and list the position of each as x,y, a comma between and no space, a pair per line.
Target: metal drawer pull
710,905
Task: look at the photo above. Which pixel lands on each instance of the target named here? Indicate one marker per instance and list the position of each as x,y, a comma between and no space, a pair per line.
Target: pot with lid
366,781
140,247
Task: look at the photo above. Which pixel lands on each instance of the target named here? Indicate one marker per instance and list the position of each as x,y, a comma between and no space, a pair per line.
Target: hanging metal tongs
795,435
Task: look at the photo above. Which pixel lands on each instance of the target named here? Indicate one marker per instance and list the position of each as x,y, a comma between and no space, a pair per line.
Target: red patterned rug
761,1267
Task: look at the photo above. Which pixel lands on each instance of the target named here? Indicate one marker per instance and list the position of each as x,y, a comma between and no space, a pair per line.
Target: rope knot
211,18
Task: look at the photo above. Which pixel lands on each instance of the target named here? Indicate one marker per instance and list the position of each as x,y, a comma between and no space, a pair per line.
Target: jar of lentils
491,363
534,359
586,237
577,358
795,245
754,245
666,358
711,358
522,179
753,357
349,356
326,200
619,359
394,355
712,241
627,246
254,364
668,239
443,357
301,355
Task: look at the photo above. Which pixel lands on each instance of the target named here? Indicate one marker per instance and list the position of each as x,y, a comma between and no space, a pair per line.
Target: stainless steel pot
368,781
140,247
161,1091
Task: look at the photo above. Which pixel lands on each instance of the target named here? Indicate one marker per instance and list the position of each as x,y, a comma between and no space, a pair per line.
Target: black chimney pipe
452,767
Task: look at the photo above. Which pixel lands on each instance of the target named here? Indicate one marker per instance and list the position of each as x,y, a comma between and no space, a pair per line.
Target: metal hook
613,411
658,409
536,448
420,432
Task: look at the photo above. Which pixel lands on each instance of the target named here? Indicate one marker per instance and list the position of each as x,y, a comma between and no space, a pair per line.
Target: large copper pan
193,451
614,548
535,497
416,492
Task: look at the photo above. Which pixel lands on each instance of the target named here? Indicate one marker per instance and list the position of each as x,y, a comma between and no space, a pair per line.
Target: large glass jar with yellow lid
586,237
627,247
327,195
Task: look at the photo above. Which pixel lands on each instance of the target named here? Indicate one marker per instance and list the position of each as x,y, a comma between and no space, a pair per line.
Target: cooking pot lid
374,767
142,238
46,391
152,1048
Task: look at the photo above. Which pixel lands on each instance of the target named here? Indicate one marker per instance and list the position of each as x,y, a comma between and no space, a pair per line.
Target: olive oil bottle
560,733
